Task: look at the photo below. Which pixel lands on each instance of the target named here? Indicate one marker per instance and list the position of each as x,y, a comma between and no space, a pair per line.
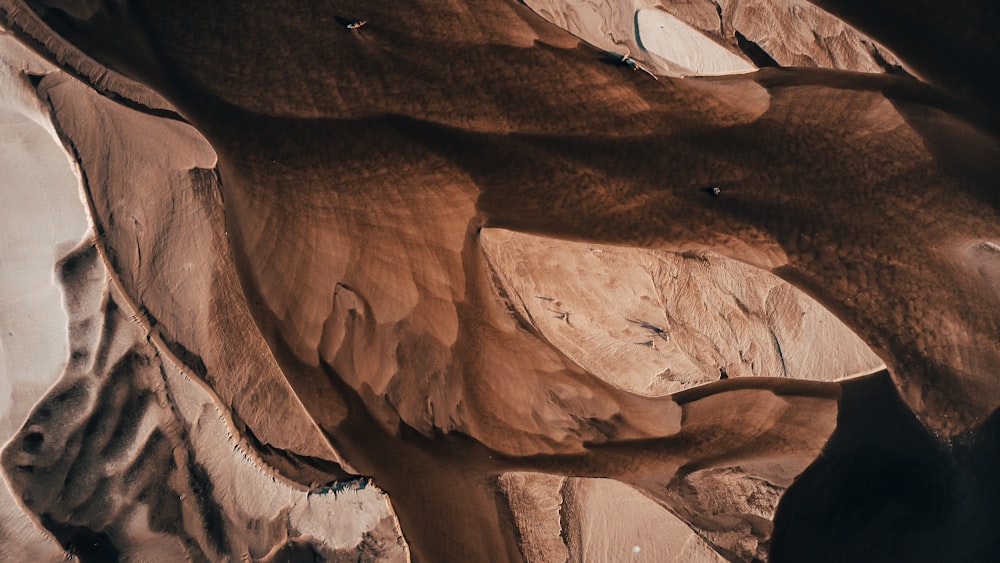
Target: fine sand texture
41,217
126,457
655,322
462,254
707,38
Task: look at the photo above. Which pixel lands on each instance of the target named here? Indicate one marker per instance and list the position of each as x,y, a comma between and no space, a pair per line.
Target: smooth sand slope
655,322
360,174
41,216
127,457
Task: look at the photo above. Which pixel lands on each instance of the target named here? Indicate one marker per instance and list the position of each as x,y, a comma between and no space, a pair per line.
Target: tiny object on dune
356,24
714,191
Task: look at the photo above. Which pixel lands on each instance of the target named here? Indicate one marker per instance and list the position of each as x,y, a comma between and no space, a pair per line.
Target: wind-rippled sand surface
463,254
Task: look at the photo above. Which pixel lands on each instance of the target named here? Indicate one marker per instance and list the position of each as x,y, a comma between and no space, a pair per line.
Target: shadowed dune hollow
553,280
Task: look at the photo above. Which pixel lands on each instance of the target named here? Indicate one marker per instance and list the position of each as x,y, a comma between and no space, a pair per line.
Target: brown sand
356,181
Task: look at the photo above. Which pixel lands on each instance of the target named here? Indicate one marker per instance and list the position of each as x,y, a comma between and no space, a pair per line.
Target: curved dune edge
128,456
705,38
688,51
125,423
31,30
741,445
786,101
654,322
41,215
925,399
86,124
745,435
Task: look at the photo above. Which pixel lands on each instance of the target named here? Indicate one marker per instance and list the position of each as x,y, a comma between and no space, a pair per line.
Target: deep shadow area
757,54
885,490
954,45
85,544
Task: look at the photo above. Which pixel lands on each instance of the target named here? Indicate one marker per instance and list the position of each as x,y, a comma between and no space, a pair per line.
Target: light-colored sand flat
614,522
41,216
656,322
690,52
580,519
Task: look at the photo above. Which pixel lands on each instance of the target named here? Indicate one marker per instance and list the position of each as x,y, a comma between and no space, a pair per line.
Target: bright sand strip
41,218
666,36
665,44
656,322
581,519
698,37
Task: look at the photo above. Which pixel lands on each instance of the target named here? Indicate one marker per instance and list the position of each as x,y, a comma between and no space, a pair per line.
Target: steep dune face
126,456
141,244
953,47
363,179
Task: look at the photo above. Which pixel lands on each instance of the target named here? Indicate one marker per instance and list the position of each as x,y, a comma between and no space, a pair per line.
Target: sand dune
350,238
127,457
40,216
576,519
93,453
704,38
657,322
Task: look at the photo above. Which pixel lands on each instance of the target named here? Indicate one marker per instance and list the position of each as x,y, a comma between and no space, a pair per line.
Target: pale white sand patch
656,322
618,523
698,37
666,36
41,217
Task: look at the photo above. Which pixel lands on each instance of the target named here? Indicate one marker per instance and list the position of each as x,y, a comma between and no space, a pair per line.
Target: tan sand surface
579,519
706,38
128,457
41,215
335,268
654,322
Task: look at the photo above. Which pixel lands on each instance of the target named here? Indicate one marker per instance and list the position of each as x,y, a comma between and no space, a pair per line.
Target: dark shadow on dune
885,490
87,545
755,52
966,151
953,45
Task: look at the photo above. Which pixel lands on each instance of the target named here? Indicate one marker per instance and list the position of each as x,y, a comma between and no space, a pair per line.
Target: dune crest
127,455
706,38
655,322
